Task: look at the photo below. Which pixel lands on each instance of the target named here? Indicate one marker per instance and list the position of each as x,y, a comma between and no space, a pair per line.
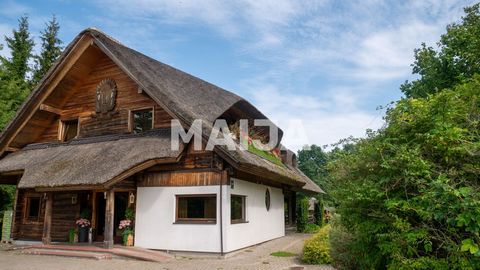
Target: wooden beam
51,109
94,210
11,149
15,200
47,223
109,211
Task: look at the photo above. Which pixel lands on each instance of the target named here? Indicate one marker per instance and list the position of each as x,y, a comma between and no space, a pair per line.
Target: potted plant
127,226
83,225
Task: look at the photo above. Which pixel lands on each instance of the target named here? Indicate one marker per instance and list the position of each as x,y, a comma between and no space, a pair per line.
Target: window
237,209
33,209
141,120
267,199
197,208
69,130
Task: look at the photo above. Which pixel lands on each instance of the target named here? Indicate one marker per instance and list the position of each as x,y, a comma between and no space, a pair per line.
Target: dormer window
68,130
141,120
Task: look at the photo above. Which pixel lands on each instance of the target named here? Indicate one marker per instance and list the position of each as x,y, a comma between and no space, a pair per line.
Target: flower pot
129,241
83,234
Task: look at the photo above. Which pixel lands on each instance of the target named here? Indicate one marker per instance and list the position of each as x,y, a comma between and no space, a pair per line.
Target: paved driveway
257,257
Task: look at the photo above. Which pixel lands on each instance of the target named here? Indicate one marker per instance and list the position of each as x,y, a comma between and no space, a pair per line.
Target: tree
409,192
51,50
13,84
313,163
21,45
457,57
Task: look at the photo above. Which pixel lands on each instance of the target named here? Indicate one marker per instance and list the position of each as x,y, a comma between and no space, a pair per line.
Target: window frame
62,126
244,209
195,220
131,120
27,219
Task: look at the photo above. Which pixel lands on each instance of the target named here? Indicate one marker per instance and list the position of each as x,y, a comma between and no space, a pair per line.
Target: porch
50,216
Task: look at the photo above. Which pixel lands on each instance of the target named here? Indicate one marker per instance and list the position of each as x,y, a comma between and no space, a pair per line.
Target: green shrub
318,213
311,228
342,251
316,249
302,214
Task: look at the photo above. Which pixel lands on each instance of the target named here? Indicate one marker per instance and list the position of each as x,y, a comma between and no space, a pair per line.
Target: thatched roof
185,96
85,161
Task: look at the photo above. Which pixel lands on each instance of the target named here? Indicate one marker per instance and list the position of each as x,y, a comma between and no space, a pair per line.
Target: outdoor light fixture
232,184
132,198
74,199
105,195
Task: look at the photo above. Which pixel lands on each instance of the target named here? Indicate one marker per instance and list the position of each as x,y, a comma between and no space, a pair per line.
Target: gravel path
257,257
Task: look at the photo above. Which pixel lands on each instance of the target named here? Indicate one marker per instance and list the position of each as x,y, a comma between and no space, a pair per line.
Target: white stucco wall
155,217
262,225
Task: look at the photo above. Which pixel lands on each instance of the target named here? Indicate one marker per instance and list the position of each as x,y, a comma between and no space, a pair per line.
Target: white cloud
308,120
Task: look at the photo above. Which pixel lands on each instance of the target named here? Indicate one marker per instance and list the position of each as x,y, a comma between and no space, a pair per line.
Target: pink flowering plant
127,225
82,223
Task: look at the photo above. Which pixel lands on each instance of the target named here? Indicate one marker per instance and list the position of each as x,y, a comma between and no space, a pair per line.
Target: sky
321,70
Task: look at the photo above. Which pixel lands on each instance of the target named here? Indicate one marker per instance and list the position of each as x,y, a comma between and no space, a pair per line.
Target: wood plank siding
178,178
74,98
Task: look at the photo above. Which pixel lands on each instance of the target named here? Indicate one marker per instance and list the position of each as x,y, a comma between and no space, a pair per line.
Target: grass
283,254
266,155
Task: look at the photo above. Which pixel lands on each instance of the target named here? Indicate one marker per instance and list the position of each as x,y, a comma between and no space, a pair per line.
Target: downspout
221,213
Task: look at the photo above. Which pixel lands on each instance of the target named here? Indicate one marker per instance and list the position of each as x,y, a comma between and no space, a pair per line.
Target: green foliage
409,193
21,45
265,154
456,59
318,213
86,213
302,214
129,214
343,250
15,84
311,228
7,194
51,50
313,162
316,249
283,254
71,236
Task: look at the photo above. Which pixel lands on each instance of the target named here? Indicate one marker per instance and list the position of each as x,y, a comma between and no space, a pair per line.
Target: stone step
68,253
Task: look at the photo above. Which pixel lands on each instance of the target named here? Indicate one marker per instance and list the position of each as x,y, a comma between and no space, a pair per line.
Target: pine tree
21,45
13,71
51,50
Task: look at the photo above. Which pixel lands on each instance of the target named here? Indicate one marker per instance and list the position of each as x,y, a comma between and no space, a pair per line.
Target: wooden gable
74,97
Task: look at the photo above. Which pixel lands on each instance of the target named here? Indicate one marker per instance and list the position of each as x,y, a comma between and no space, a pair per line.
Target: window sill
201,222
238,221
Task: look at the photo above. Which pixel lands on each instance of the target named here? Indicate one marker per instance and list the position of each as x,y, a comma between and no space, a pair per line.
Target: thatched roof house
97,131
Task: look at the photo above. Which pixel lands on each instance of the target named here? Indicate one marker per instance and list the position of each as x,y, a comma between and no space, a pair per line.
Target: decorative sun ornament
106,95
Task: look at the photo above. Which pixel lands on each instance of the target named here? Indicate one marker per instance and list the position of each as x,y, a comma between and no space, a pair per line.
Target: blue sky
319,69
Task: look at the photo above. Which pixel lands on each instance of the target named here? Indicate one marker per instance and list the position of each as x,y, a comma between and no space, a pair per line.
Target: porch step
68,253
88,251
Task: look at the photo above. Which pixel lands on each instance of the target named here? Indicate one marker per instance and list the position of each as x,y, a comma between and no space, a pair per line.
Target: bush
311,228
302,214
409,192
342,250
316,249
318,213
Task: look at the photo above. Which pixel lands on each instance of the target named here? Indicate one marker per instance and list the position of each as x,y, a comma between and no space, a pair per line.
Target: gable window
69,130
32,212
141,120
237,209
196,208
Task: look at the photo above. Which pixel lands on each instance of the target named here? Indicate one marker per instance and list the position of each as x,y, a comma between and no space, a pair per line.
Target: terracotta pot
129,240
